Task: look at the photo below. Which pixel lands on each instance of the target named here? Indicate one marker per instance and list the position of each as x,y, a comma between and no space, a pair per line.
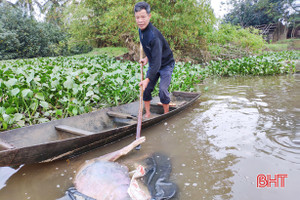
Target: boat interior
85,124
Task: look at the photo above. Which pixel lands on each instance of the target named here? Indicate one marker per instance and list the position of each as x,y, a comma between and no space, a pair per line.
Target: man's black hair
142,5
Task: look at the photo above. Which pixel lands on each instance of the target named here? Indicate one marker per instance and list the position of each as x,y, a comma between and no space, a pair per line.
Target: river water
239,128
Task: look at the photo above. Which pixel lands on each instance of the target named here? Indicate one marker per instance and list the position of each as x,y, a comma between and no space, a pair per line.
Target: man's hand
144,83
144,61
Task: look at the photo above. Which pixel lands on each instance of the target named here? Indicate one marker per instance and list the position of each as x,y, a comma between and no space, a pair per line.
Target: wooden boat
74,135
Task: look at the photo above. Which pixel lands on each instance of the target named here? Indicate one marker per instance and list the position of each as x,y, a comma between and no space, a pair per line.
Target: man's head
142,14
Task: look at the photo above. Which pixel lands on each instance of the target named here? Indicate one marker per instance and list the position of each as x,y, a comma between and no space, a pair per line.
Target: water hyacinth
43,89
267,64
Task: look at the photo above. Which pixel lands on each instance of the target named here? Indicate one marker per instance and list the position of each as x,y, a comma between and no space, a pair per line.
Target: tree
53,10
48,10
8,43
27,6
21,36
183,23
258,12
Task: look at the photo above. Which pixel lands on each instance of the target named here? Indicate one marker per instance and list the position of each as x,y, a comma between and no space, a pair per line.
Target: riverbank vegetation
21,36
43,89
190,28
284,45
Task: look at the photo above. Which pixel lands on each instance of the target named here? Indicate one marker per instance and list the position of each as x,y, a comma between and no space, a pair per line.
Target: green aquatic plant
43,89
265,64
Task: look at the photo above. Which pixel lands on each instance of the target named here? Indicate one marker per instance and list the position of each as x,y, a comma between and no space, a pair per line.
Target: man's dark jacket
156,49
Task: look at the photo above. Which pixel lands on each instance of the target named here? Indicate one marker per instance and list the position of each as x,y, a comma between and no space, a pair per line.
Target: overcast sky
219,9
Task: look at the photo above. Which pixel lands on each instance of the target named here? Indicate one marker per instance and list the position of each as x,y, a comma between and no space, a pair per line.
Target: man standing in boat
158,55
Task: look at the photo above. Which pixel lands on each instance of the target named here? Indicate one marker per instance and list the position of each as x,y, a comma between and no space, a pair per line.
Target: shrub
79,48
8,43
183,23
21,36
229,40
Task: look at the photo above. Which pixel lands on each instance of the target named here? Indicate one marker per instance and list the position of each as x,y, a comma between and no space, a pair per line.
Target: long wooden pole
140,116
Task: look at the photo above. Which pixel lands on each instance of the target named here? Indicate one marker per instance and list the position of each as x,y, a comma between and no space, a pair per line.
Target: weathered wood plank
72,130
120,115
174,104
129,122
185,94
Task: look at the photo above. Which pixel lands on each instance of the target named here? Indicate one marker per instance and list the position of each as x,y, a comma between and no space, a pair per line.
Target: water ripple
229,124
247,117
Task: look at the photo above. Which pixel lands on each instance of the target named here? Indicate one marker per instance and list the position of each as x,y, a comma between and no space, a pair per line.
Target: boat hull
43,142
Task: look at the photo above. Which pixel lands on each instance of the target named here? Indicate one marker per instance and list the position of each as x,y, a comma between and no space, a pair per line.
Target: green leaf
11,82
6,118
96,97
29,77
10,110
33,105
18,117
27,93
39,96
21,123
44,104
119,80
54,83
2,110
75,111
59,112
69,83
89,93
4,124
15,91
43,120
75,91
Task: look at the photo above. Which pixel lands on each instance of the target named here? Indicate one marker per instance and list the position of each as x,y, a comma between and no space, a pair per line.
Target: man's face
142,19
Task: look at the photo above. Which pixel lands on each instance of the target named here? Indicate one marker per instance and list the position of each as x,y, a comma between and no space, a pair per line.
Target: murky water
239,128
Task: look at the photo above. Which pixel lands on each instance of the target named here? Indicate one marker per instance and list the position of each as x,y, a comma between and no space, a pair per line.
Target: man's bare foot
166,108
147,115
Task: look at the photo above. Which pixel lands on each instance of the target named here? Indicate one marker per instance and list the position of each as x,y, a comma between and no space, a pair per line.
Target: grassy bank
109,51
284,45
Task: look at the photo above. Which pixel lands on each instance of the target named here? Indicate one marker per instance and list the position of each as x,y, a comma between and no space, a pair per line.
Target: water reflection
259,111
256,120
38,181
279,121
196,170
